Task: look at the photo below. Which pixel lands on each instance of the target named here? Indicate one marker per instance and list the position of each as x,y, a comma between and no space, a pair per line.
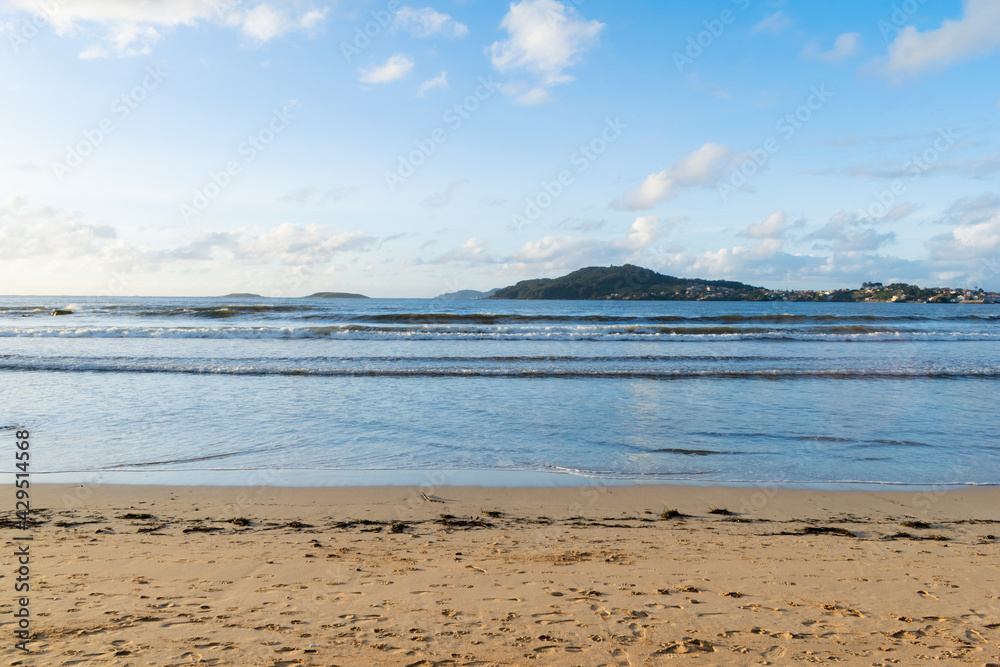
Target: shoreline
319,478
758,502
617,575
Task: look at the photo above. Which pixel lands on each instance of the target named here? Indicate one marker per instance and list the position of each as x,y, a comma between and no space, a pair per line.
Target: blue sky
199,147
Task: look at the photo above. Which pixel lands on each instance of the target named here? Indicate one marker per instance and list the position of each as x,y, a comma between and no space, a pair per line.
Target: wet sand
142,575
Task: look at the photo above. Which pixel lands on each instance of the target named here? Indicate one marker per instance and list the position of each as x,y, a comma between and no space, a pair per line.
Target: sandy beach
132,575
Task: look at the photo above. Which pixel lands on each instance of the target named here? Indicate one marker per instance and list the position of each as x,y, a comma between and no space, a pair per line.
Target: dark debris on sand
820,530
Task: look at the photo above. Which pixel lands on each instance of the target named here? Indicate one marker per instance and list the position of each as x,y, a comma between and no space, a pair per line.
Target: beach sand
569,576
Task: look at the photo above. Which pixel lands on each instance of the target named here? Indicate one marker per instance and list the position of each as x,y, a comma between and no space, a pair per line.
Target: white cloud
976,237
427,22
473,251
644,231
913,52
702,166
774,24
546,37
132,28
288,244
440,81
56,240
395,68
556,251
775,226
568,252
844,47
847,233
729,262
264,22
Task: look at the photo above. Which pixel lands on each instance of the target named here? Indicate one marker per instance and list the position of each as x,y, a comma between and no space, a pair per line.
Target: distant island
627,282
242,295
636,283
468,294
335,295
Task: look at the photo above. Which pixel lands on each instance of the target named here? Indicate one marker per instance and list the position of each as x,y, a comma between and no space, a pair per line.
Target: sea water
354,391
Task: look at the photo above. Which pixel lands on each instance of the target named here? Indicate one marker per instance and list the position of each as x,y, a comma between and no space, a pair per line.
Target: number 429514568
22,457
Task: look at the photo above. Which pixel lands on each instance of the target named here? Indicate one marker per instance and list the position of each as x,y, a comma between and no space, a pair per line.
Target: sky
404,149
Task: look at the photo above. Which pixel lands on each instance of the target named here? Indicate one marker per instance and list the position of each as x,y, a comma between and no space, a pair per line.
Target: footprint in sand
926,595
621,658
686,645
774,652
550,621
601,611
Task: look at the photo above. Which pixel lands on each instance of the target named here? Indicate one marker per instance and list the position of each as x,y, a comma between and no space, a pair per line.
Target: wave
489,318
479,372
813,438
579,333
193,459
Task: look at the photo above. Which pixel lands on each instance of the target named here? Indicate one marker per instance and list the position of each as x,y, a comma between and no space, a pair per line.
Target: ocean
362,391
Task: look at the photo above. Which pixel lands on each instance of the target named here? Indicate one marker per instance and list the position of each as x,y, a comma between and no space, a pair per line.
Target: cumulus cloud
473,251
427,22
288,244
846,232
545,38
440,81
775,226
645,230
977,234
44,233
62,241
264,22
742,261
565,251
700,167
124,29
975,34
395,68
844,47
